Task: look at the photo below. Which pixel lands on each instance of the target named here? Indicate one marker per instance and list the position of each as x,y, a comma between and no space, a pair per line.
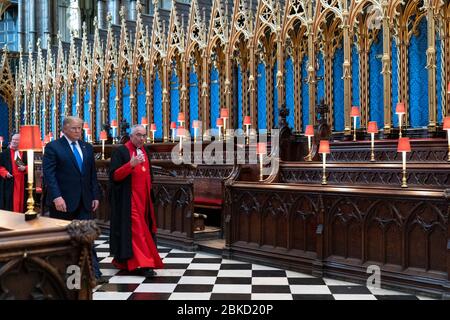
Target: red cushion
207,201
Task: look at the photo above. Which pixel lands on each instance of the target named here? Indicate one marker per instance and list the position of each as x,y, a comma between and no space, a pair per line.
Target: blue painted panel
112,103
394,83
61,112
126,102
4,116
53,116
98,117
174,97
240,109
289,84
275,96
43,121
418,78
74,99
141,108
157,105
320,73
355,77
376,109
305,94
338,90
262,110
193,99
215,96
87,114
439,78
8,29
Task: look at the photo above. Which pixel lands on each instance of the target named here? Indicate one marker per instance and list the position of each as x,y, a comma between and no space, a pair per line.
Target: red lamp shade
400,108
448,88
181,116
114,123
247,121
88,131
180,132
219,122
309,131
153,127
446,123
103,135
261,148
372,127
224,113
403,145
324,146
30,138
195,124
144,121
354,112
173,125
85,126
1,138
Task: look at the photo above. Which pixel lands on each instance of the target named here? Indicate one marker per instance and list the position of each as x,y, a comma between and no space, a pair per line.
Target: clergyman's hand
22,168
135,160
9,175
60,204
95,204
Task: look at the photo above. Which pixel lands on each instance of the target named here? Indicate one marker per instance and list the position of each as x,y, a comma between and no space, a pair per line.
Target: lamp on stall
372,128
446,126
144,122
261,150
400,111
114,127
1,144
309,132
219,124
324,148
103,138
354,114
448,88
224,116
153,130
85,127
181,119
30,141
247,124
173,127
404,146
181,134
195,125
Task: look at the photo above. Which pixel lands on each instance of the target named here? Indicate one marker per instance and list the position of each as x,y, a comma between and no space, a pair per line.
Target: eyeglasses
140,135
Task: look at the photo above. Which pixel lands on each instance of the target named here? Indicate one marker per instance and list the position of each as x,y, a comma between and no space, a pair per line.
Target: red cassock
145,253
19,182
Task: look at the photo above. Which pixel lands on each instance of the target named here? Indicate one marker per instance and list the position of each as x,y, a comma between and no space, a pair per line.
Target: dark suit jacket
63,178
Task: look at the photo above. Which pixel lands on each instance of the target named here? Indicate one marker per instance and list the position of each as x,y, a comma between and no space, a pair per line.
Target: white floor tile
206,255
271,296
108,272
111,295
204,266
384,292
235,273
107,260
99,242
425,298
293,274
261,267
197,280
232,288
156,287
276,281
126,279
180,251
162,254
190,296
227,261
170,272
354,297
177,260
103,246
309,289
334,282
102,254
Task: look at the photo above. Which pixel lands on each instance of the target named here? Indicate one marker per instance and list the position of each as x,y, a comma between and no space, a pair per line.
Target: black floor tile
175,265
149,296
207,260
233,280
306,281
269,273
396,297
118,287
194,288
163,279
270,289
236,266
349,290
201,273
312,297
230,296
180,255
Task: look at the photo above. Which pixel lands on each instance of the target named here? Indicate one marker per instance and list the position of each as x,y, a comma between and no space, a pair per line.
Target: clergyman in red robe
13,171
133,225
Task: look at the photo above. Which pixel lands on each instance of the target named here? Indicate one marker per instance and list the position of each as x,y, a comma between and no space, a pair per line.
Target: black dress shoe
101,281
147,272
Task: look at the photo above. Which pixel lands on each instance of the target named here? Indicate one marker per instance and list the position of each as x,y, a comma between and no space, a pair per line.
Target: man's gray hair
71,119
135,127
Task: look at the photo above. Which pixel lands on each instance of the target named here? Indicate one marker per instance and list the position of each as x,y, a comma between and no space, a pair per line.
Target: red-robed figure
13,171
133,225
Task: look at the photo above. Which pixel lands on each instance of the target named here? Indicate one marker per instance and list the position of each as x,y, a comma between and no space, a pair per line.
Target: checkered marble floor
204,276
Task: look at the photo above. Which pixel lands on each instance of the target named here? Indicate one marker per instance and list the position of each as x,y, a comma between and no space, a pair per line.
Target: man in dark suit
70,177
